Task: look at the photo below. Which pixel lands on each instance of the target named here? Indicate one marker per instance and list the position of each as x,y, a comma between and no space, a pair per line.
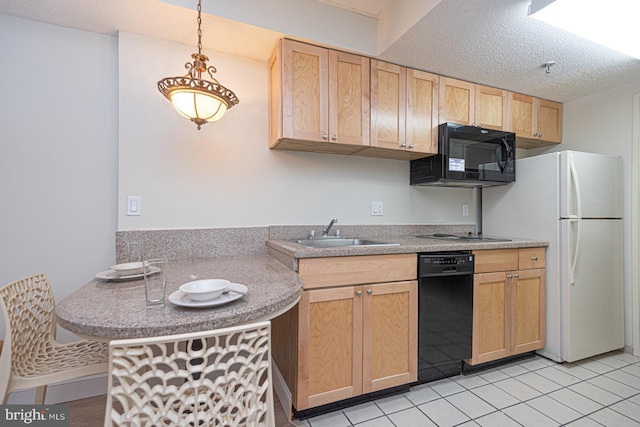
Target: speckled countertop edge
284,249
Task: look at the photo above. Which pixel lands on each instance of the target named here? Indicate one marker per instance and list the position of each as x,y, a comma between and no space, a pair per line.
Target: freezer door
592,288
590,185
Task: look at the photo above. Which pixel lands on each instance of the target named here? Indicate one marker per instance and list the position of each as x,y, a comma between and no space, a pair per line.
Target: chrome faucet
325,233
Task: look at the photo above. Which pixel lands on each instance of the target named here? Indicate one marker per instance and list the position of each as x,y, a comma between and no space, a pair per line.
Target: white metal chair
31,357
211,378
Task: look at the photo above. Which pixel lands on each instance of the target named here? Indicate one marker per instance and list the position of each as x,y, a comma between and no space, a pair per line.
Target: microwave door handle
503,146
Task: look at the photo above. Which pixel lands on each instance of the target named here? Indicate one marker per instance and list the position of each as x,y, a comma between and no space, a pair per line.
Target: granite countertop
114,310
287,252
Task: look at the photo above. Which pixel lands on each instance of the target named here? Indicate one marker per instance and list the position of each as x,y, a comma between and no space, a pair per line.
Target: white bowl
205,290
128,268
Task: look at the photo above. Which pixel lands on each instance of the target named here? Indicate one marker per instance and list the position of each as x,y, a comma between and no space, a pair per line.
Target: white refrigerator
573,200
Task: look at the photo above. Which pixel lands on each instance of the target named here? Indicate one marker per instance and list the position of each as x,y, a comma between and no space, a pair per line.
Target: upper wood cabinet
388,101
491,107
328,101
319,99
470,104
536,122
457,101
403,112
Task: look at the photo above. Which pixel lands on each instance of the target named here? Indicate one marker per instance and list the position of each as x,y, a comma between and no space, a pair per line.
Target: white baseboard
281,390
81,388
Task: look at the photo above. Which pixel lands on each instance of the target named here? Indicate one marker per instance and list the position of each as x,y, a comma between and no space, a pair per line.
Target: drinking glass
155,282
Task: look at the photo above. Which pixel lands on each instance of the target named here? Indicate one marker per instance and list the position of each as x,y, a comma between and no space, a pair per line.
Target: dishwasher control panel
438,264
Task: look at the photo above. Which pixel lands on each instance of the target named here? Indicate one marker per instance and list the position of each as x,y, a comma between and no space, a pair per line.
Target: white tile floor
601,391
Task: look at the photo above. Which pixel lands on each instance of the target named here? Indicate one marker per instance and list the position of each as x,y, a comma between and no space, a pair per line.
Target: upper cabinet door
349,103
520,118
491,108
388,101
457,101
305,91
547,120
422,112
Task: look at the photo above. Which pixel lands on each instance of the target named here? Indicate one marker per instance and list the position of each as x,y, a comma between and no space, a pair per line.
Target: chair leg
40,394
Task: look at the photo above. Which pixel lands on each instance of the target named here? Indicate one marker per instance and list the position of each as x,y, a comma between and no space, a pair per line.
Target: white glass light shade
611,23
198,105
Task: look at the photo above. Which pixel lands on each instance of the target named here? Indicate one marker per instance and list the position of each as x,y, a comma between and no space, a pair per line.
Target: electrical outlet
465,209
376,208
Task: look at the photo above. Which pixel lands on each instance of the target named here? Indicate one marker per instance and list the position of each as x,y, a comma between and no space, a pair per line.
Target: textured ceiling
492,42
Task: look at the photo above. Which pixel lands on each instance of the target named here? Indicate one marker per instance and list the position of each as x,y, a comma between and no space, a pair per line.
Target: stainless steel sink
338,242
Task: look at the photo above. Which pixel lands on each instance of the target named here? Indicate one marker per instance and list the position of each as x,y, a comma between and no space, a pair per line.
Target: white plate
183,300
112,275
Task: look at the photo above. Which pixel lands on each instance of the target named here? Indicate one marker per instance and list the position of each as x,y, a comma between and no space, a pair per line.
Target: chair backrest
209,378
29,313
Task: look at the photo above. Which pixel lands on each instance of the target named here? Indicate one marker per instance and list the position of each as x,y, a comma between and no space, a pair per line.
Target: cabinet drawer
354,270
531,258
492,260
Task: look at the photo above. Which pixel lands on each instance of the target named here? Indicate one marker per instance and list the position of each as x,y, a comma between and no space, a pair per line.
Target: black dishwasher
445,313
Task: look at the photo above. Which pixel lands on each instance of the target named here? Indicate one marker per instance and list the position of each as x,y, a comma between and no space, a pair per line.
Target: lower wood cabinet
344,341
356,340
508,306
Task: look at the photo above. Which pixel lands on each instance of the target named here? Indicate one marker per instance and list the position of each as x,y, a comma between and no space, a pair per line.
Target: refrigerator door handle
574,262
573,174
573,218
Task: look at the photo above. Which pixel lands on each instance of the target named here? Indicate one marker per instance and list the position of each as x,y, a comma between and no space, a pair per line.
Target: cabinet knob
359,293
516,275
509,276
540,135
535,258
403,145
325,136
334,138
369,291
410,145
536,135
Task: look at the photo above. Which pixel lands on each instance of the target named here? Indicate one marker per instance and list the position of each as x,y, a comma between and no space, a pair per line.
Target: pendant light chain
199,23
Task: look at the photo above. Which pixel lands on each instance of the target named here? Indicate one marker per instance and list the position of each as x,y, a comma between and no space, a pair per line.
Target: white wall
225,175
602,123
58,153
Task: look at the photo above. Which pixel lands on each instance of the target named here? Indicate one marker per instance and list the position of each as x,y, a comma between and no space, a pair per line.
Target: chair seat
55,358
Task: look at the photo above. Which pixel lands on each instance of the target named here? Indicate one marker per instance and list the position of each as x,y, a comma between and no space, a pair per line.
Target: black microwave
468,156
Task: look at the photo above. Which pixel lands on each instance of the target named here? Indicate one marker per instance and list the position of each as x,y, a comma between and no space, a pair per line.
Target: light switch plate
465,209
134,206
376,208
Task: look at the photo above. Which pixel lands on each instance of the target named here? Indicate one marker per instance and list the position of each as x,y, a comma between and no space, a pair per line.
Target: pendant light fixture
198,99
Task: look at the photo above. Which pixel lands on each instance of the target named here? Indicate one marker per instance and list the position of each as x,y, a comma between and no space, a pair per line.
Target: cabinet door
456,101
491,108
329,346
422,112
388,104
348,98
520,117
528,311
305,91
390,335
547,120
491,338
